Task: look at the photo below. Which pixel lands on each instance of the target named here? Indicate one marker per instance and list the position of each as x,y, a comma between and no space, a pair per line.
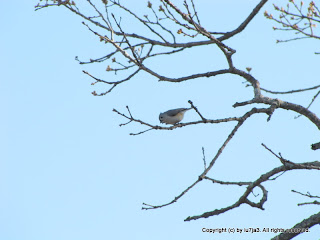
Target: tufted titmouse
172,116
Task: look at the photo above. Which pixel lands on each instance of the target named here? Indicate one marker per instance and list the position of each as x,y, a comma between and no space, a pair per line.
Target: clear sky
69,172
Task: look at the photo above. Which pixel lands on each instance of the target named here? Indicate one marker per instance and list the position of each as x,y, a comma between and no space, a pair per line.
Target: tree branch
263,178
303,225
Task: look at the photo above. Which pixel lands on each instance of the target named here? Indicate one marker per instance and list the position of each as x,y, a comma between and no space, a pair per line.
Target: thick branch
303,225
284,105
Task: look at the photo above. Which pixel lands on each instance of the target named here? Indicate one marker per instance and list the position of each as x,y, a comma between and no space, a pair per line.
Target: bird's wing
174,112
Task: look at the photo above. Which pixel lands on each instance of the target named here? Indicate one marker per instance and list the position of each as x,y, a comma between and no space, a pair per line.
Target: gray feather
174,112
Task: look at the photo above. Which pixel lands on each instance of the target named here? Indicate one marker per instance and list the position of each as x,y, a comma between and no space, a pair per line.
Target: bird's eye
161,117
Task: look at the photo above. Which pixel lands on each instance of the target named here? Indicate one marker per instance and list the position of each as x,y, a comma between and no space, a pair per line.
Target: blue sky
68,171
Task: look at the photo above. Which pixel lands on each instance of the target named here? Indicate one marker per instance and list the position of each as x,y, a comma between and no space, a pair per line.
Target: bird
173,116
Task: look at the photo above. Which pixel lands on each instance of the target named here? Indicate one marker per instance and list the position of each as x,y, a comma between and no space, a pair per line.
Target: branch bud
109,68
275,7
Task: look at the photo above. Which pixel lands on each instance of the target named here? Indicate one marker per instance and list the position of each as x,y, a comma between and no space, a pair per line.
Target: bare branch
284,105
315,146
204,159
300,20
291,91
315,202
264,177
196,109
312,101
282,160
304,225
156,127
305,194
245,23
148,206
309,196
141,20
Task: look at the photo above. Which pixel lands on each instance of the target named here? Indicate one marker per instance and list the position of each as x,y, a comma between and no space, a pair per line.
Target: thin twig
196,109
305,194
204,159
